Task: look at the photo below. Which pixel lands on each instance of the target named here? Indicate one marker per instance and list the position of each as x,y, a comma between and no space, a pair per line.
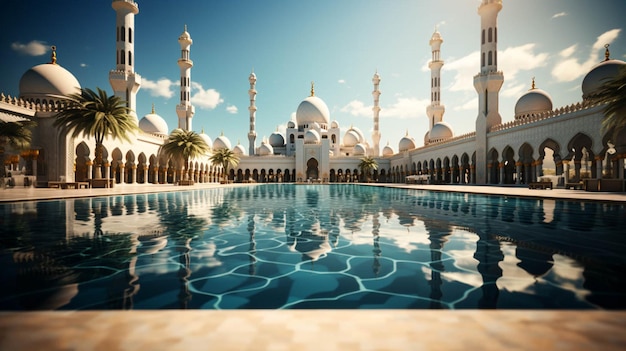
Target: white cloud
560,14
464,68
160,88
405,108
83,65
520,58
34,48
341,81
571,68
205,99
401,108
514,90
357,108
470,105
232,109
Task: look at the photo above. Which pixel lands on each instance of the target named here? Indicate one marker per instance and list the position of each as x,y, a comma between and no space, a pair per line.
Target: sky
338,44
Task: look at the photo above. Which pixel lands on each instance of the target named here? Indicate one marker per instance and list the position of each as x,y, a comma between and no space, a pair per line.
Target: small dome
291,124
406,143
239,150
265,149
206,138
277,139
334,124
441,131
426,138
359,150
154,124
221,142
436,36
388,151
533,101
48,80
598,76
351,138
312,110
311,137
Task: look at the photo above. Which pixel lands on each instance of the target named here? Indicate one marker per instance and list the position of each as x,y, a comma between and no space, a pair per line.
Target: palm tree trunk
98,161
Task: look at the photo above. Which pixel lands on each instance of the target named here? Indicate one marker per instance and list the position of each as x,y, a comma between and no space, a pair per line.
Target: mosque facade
564,145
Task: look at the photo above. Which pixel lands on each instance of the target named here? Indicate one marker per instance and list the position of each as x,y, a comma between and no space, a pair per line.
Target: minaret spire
487,84
435,110
185,109
123,79
376,109
252,109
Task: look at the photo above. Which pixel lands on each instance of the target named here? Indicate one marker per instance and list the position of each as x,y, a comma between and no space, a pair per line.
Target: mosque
563,145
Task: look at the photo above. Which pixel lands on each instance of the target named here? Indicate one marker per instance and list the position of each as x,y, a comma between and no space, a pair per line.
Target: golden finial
312,88
606,52
53,55
153,108
185,27
533,84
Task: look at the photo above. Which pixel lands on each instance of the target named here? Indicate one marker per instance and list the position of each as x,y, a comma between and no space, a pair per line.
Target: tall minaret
376,109
435,110
487,83
185,109
123,79
252,109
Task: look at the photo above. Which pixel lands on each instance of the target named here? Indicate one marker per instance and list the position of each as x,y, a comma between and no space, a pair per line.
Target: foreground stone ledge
314,330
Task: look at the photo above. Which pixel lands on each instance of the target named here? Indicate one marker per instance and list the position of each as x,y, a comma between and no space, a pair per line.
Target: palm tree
183,145
367,165
226,158
17,135
94,113
613,94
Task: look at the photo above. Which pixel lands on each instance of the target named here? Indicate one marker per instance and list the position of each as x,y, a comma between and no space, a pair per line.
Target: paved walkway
312,329
29,193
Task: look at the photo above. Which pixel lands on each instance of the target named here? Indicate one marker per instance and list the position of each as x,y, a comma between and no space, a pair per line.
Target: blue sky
339,44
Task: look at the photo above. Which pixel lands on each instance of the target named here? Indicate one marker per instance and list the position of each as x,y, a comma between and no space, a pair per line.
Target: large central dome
313,110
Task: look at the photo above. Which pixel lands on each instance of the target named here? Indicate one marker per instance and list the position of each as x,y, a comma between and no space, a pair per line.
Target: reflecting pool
279,246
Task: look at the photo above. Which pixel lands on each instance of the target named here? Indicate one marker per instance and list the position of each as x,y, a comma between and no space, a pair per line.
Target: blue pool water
312,246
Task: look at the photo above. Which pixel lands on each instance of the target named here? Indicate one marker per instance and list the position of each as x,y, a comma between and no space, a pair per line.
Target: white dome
388,151
351,138
598,75
533,101
206,138
441,131
277,139
311,137
360,150
154,124
48,80
221,142
334,124
406,143
312,110
265,149
239,150
291,124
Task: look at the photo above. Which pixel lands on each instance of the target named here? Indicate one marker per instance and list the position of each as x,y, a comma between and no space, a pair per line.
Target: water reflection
447,250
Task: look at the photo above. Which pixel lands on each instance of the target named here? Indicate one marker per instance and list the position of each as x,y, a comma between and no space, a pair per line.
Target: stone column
566,171
155,175
518,170
501,169
133,174
122,173
538,169
106,170
89,165
598,174
489,167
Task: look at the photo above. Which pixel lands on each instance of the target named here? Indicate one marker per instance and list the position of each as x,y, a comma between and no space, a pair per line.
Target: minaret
487,83
376,109
123,79
252,109
435,110
185,109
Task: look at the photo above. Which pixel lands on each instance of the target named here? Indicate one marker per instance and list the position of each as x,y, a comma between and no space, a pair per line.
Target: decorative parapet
537,117
31,106
450,140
